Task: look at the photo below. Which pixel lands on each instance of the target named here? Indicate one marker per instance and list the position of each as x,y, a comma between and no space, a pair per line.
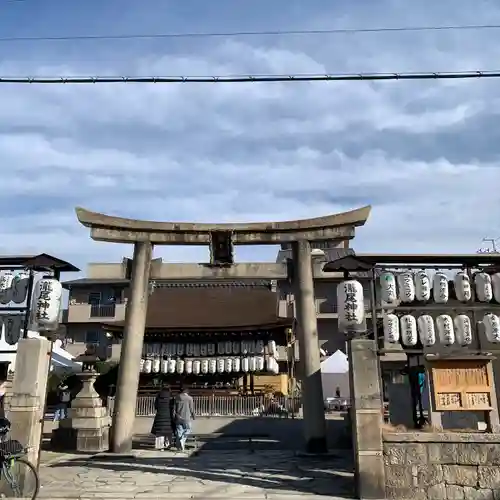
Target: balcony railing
102,310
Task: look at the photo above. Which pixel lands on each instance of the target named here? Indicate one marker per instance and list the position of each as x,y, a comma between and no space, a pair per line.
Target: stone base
82,440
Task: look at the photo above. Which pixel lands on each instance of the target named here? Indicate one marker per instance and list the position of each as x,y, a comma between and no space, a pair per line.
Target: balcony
95,313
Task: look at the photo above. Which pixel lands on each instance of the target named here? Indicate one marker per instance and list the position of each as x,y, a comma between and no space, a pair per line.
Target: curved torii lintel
121,230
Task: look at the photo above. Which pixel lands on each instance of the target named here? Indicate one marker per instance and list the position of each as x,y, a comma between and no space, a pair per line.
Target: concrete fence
226,406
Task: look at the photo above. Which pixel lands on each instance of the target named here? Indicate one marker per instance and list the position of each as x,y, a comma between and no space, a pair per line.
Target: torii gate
221,238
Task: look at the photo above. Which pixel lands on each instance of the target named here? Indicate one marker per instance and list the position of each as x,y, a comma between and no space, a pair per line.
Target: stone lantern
87,428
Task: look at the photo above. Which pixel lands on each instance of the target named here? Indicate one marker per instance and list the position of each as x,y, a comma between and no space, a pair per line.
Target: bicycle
18,477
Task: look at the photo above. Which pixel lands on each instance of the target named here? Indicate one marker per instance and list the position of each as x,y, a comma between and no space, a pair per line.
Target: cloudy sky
425,155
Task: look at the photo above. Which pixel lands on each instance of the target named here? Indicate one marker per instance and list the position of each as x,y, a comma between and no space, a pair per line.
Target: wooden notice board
461,385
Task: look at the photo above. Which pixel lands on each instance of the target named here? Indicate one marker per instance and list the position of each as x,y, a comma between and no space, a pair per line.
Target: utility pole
492,248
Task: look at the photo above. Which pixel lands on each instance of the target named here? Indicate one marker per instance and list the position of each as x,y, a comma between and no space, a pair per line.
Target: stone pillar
131,351
29,393
307,334
366,418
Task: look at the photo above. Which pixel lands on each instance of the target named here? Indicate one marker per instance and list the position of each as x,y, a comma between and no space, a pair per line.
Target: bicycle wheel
19,479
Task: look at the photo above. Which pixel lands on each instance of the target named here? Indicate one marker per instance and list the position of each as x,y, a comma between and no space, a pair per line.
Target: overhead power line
251,78
336,31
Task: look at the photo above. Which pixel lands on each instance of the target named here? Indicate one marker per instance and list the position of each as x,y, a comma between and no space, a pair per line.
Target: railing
102,310
226,406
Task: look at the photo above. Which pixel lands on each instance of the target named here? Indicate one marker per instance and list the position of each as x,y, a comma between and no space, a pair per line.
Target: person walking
183,417
64,399
162,424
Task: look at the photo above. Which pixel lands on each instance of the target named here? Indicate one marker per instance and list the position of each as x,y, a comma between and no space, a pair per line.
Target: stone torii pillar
220,238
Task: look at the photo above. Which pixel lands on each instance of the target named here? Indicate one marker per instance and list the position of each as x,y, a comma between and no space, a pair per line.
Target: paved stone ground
236,474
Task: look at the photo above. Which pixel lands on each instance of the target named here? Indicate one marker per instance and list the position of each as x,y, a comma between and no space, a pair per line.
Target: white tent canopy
336,363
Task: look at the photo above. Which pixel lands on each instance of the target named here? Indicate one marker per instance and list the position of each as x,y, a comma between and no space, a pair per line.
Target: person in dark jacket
162,427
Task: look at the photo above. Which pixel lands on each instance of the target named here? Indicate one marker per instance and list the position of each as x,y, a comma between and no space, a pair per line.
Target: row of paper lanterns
243,347
447,330
408,287
210,365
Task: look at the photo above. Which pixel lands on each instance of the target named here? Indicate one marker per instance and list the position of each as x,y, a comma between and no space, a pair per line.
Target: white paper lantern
484,289
495,283
463,329
251,347
440,289
463,289
236,347
271,348
236,365
406,287
164,366
388,290
210,349
212,366
351,306
197,366
259,346
446,331
196,350
148,364
422,286
141,366
244,347
409,330
252,364
179,366
171,366
228,347
391,328
269,364
48,296
6,282
228,365
220,365
221,348
168,349
203,350
426,330
156,367
204,366
180,349
275,367
492,327
260,363
189,349
188,366
245,365
20,287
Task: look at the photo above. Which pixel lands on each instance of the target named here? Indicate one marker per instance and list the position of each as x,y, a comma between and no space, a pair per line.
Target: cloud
422,153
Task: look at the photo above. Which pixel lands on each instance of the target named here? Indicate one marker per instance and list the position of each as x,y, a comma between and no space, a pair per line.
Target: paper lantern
203,350
484,289
440,289
492,327
196,366
220,365
196,350
406,287
388,290
409,330
20,287
6,282
245,365
188,366
164,366
251,347
204,366
48,296
179,366
228,365
156,367
271,348
210,349
272,365
463,289
446,331
212,366
180,349
252,363
259,346
221,348
148,364
426,330
169,349
463,329
189,349
171,366
141,366
422,286
259,363
236,347
351,306
391,328
228,347
236,365
495,284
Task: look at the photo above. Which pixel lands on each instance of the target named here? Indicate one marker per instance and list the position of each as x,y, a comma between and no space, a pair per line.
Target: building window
92,337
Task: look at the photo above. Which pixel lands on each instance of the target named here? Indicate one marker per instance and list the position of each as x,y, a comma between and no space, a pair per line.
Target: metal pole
29,296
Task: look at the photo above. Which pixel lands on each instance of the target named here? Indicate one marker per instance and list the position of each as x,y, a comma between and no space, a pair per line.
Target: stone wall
442,466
